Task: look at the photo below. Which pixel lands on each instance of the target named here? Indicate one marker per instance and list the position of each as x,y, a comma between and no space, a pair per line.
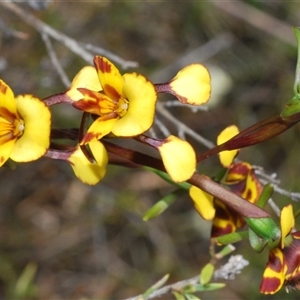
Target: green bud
160,206
266,228
291,108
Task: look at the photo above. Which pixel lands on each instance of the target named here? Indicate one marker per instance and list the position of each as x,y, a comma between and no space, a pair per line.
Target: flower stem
297,76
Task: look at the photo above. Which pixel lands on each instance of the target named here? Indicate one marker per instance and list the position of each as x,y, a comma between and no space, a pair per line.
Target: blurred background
73,241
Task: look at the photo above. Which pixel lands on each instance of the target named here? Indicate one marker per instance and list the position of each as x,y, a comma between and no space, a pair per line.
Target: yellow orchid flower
240,179
86,78
125,104
283,265
87,171
25,123
191,85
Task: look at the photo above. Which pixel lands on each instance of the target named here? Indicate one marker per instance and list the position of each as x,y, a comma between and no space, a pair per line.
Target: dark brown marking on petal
3,88
275,263
219,231
112,93
102,65
89,136
249,194
6,138
291,255
270,285
8,115
91,101
222,211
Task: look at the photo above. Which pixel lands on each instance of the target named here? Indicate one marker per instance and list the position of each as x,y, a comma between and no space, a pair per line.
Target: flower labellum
25,123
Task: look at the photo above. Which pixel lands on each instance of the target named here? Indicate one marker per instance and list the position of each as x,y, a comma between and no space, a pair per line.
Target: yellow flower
239,178
125,106
190,85
227,157
87,171
86,78
179,158
24,126
283,265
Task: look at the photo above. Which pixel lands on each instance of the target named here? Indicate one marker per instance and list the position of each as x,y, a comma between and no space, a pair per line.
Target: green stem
297,76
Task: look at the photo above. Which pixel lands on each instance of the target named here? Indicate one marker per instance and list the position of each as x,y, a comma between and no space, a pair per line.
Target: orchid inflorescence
118,106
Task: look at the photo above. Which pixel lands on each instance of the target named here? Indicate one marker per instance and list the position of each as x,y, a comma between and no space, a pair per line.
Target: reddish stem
255,134
57,99
240,205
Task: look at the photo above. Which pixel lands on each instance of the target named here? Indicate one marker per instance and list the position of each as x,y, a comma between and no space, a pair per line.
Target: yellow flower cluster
121,106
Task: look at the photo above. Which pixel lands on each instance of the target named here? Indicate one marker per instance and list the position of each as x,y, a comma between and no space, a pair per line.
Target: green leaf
191,297
256,242
183,185
265,195
228,249
297,75
231,238
206,273
159,207
200,288
25,286
156,286
214,286
190,288
178,296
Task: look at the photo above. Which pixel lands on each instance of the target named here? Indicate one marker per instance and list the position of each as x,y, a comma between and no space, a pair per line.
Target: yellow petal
225,221
227,157
7,100
287,222
142,98
253,188
273,277
94,102
86,78
98,129
87,172
179,158
110,77
203,203
36,137
5,151
192,84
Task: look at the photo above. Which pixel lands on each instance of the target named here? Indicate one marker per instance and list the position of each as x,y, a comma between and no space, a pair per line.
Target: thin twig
60,71
168,289
42,27
162,127
193,108
125,64
161,109
258,19
200,54
11,32
70,43
265,178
